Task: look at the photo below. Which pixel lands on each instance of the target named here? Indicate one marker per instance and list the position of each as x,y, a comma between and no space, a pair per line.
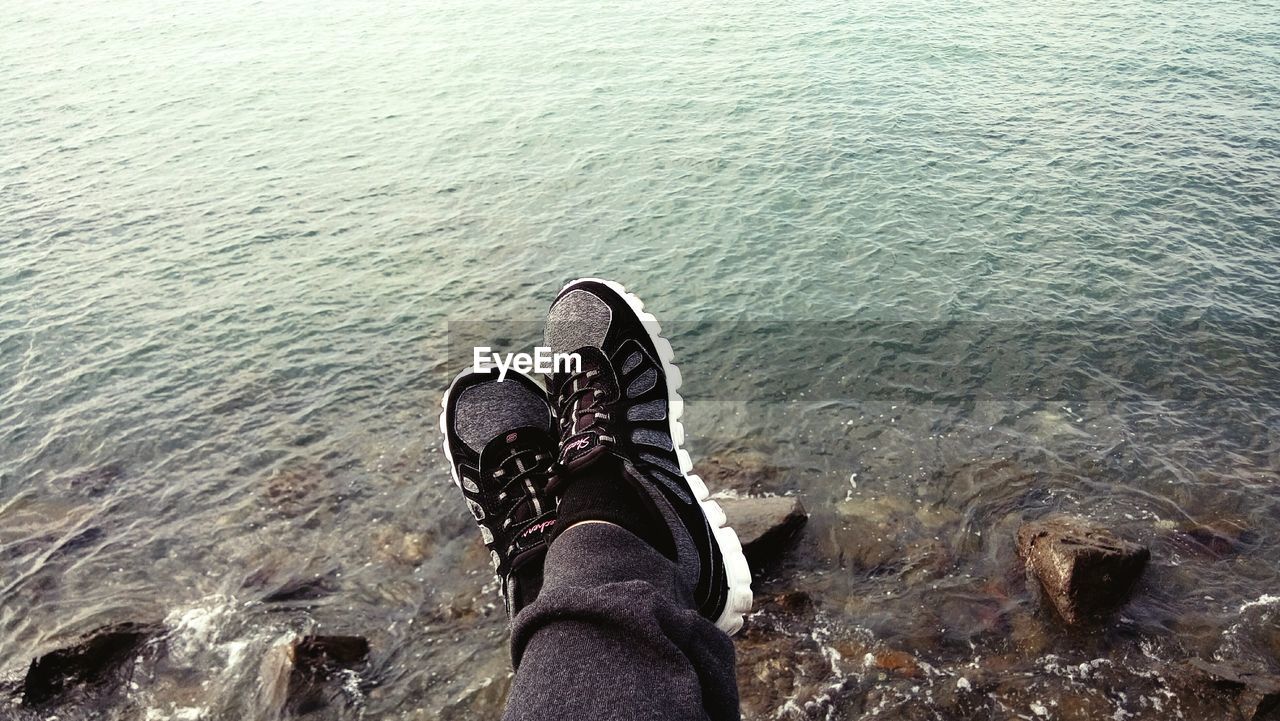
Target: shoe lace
526,475
582,407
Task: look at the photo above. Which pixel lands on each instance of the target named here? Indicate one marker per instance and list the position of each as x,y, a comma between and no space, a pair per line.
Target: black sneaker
622,405
500,441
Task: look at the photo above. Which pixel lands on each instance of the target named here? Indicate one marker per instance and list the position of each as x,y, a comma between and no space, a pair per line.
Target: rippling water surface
234,237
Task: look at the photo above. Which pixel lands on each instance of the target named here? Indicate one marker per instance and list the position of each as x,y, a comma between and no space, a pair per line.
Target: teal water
234,238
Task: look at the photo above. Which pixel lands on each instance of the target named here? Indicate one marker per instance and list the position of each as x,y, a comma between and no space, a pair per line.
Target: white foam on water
196,628
351,689
209,644
1265,599
178,713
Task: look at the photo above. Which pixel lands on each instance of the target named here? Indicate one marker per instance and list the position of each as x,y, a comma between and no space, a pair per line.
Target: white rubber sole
444,434
737,572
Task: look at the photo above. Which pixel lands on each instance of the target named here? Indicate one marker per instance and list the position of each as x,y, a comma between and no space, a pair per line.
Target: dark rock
1215,540
1085,571
785,664
787,602
101,658
301,589
778,666
1256,692
1207,538
764,525
318,659
323,655
83,539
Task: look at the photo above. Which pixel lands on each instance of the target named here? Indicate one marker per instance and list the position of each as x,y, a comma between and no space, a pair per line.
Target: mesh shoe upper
500,441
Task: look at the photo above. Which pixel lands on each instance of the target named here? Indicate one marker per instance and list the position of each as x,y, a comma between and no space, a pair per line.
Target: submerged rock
302,589
765,525
395,545
318,660
294,490
895,663
747,472
101,659
888,536
323,654
1085,571
1217,539
1257,693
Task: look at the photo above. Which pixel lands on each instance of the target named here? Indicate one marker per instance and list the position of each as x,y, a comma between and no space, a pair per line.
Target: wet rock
1256,692
101,659
326,653
1034,698
778,666
293,490
1027,632
790,662
1216,539
1085,571
395,545
787,602
896,663
747,472
301,589
865,533
1212,541
765,525
884,536
1085,705
318,660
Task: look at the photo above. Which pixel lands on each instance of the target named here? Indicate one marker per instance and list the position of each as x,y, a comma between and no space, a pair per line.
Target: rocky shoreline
1045,636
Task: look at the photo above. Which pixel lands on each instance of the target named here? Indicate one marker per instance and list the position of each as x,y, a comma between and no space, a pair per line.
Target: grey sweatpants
613,635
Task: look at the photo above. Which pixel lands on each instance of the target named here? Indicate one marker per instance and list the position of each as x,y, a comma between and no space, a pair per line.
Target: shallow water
996,260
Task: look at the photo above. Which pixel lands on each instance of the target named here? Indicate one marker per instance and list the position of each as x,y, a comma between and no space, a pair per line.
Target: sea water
977,262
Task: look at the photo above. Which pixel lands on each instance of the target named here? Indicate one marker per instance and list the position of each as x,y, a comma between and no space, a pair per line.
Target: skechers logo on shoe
538,528
542,360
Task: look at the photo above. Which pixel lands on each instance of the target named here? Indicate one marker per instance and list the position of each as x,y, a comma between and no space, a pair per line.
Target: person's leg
613,636
634,613
622,576
621,406
499,439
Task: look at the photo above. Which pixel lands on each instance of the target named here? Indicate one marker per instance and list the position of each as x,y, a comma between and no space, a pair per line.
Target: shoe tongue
593,359
500,448
582,447
584,450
